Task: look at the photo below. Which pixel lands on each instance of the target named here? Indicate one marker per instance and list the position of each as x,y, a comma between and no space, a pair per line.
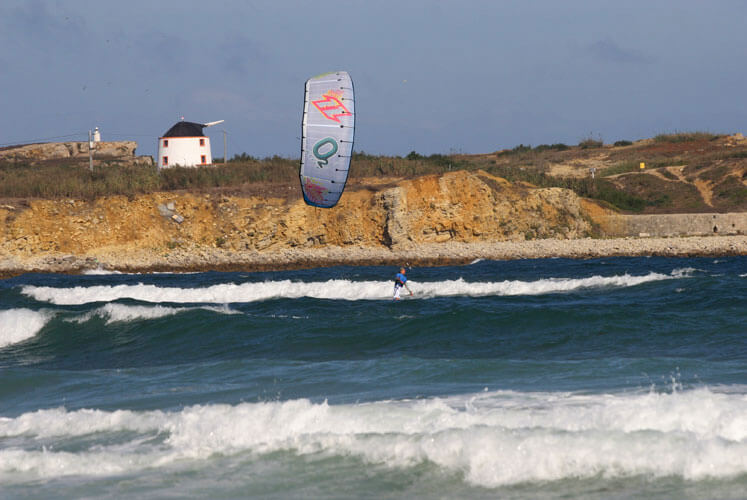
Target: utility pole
225,150
90,151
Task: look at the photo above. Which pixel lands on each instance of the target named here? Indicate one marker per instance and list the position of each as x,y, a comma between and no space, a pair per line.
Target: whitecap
100,272
332,289
17,325
492,438
114,312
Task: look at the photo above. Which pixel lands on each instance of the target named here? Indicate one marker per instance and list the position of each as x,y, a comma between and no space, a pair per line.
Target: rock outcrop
435,219
120,151
454,207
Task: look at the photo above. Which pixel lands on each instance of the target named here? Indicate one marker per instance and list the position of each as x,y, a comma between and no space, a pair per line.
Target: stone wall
673,224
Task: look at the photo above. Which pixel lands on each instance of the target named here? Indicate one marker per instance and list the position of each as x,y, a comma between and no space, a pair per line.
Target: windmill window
202,159
165,143
165,160
202,142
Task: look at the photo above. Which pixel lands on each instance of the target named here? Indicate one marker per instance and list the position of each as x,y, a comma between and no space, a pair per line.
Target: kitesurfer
400,281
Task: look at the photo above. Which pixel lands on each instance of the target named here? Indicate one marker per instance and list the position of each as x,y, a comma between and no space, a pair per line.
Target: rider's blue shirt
400,278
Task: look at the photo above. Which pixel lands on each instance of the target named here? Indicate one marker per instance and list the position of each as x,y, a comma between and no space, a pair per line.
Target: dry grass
619,181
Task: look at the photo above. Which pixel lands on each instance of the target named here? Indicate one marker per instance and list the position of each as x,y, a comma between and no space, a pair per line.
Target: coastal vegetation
590,143
685,137
683,172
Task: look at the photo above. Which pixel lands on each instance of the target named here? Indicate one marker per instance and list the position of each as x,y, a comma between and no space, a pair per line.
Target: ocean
528,379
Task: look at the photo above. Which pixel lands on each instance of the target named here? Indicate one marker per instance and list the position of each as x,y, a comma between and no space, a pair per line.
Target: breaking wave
332,289
114,312
17,325
493,439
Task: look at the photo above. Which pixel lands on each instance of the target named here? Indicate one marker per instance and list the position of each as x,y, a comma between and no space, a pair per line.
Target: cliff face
454,207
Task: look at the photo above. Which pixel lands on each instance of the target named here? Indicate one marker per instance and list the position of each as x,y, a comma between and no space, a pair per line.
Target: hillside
56,215
684,173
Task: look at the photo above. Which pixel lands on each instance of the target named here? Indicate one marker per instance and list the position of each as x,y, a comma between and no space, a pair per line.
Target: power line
22,142
40,139
120,134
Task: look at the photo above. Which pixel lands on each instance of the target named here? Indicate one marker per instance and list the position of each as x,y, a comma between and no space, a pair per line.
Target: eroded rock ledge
452,218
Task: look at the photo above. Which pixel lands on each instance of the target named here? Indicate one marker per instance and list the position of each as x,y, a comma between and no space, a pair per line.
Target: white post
225,150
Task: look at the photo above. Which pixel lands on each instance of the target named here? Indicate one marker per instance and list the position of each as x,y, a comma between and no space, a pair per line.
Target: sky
431,76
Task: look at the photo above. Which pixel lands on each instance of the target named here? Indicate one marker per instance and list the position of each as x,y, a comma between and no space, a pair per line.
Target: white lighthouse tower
185,145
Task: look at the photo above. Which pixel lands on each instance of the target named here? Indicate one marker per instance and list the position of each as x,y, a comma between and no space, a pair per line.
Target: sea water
606,378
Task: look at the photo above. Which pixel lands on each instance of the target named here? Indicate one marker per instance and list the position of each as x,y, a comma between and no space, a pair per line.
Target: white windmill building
185,145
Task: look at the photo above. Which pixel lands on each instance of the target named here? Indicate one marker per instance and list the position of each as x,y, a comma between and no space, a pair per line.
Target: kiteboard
327,132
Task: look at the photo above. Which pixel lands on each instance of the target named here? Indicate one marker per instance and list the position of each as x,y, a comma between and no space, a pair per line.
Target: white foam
685,272
106,272
332,289
17,325
114,312
493,439
100,272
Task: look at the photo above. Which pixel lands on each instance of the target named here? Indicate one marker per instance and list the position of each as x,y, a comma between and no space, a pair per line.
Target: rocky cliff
453,207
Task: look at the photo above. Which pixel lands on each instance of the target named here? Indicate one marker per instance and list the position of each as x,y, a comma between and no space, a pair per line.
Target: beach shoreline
200,259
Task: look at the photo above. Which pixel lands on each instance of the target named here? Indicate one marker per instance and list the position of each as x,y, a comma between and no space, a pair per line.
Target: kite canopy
327,134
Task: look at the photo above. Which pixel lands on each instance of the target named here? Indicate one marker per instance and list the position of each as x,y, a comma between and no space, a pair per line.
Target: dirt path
704,187
705,190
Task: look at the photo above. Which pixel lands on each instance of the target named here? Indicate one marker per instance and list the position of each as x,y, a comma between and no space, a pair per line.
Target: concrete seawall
673,225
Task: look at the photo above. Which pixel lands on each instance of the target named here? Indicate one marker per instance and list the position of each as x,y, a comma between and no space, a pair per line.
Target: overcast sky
433,76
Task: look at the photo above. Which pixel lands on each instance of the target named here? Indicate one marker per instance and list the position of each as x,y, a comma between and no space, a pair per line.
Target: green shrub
667,162
685,137
521,149
621,168
362,156
551,147
440,160
663,200
590,143
714,174
669,175
243,157
618,198
623,143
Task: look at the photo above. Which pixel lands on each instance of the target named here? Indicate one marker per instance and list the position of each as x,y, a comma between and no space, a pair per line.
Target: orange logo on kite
314,191
330,103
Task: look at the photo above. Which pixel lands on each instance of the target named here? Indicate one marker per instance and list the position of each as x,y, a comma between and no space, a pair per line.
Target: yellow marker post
643,165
